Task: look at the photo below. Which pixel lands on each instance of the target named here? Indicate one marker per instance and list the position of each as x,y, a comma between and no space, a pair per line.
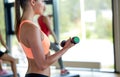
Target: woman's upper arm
34,40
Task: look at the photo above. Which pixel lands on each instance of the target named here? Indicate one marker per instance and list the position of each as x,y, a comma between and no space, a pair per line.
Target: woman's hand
69,44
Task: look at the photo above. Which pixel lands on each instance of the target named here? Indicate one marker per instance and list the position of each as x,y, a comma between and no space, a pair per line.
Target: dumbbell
74,40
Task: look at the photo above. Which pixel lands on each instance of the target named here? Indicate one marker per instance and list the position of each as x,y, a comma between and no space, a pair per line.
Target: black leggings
35,75
1,53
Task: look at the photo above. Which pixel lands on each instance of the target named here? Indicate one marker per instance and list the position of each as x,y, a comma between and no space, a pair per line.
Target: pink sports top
28,51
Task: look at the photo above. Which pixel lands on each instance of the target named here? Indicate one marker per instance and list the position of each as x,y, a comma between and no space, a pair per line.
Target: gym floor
56,73
82,73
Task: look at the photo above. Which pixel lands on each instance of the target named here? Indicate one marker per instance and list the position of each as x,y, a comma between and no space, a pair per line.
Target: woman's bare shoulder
30,27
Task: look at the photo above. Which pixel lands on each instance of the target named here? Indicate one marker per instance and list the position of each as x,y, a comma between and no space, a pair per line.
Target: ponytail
17,15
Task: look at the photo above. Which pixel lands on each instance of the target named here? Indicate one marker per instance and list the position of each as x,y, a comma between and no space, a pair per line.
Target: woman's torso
32,66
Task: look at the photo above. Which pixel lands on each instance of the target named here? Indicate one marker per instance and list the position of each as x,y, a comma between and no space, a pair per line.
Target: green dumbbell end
75,40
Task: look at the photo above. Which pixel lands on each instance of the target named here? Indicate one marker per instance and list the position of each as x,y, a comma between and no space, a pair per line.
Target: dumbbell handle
74,40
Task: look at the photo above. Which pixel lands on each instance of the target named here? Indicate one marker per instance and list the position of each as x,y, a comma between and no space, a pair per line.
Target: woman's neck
28,15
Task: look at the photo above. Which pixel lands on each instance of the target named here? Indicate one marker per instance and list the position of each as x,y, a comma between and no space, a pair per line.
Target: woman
34,42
